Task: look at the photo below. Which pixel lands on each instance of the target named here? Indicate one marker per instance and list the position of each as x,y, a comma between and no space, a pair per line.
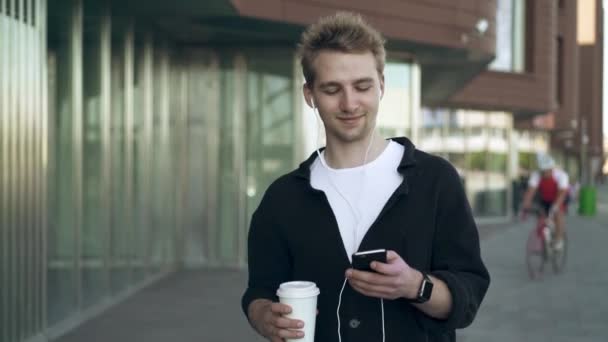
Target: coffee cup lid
298,289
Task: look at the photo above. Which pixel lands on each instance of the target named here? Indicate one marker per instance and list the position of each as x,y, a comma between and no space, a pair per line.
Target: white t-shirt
357,195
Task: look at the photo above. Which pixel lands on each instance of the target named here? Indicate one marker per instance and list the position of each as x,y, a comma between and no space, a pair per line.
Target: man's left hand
391,280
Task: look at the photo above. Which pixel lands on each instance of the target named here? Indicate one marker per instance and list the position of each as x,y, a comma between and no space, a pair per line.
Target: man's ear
381,86
307,92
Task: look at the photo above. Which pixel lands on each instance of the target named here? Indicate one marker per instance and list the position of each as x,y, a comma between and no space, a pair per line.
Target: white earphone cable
338,310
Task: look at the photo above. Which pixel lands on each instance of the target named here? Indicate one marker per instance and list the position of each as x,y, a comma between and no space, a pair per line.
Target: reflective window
202,116
112,159
271,137
510,36
94,216
230,149
476,144
398,103
62,274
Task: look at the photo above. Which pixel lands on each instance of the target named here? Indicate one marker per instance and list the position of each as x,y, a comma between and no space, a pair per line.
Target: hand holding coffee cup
269,320
301,297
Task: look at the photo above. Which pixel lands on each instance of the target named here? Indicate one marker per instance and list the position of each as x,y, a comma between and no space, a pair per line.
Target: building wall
591,110
530,91
562,81
578,131
597,115
437,22
567,70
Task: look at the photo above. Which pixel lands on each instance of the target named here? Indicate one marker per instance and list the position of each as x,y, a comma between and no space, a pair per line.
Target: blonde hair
344,32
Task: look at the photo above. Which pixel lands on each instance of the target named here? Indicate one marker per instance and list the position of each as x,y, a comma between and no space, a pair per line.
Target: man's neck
343,156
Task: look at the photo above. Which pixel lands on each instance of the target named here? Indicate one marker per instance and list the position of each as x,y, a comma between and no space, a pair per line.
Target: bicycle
540,248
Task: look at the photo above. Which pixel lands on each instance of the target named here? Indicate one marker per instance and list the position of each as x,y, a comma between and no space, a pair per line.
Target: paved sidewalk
204,305
191,306
567,307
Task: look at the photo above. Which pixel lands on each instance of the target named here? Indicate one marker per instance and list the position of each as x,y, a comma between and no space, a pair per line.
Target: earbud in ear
312,102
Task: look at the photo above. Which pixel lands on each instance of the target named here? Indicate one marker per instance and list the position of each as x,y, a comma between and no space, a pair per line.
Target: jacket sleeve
268,257
456,257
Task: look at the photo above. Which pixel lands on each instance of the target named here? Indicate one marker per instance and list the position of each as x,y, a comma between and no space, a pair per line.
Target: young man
553,187
363,192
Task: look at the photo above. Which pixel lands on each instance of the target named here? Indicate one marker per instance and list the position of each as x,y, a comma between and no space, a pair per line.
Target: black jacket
427,221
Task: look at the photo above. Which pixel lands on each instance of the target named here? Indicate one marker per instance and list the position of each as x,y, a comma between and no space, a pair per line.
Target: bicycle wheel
559,257
535,255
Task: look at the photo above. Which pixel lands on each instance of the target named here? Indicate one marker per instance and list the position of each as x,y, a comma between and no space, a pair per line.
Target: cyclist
552,185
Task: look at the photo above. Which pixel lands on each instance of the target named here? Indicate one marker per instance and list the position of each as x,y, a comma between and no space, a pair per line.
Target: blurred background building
137,137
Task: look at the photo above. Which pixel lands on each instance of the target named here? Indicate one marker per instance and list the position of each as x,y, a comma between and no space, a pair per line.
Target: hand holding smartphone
362,260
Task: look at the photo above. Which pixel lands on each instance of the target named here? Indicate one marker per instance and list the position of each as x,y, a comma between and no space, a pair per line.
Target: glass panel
497,184
454,141
510,36
119,237
139,150
171,166
477,144
160,158
202,95
61,277
270,123
504,36
488,143
93,229
433,122
519,36
394,116
4,163
228,174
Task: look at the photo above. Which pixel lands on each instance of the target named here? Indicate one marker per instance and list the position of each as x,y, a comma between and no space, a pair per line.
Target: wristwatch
425,290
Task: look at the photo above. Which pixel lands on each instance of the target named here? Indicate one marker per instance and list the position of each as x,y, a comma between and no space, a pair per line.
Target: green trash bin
586,205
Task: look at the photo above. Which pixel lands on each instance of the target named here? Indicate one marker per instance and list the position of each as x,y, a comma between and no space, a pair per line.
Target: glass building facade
125,156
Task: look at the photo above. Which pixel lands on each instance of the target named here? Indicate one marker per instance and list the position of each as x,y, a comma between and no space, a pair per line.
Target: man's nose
349,103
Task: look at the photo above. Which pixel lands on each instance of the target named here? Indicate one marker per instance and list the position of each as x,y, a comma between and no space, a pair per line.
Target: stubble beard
347,137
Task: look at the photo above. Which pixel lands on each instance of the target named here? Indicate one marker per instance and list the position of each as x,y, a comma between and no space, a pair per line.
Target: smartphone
362,260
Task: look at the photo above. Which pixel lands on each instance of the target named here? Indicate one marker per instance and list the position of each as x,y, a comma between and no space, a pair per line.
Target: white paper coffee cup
301,296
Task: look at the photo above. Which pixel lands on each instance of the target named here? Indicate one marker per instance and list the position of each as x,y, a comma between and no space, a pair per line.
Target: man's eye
365,88
331,91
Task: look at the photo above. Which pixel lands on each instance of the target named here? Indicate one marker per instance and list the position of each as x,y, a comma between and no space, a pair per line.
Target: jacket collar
407,160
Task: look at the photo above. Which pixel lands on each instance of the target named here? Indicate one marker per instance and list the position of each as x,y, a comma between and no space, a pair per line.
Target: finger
360,275
394,264
373,288
392,255
371,293
370,277
279,308
291,334
287,323
391,269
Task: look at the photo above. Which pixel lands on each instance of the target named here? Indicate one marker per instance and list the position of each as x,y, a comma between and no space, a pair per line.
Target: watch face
426,290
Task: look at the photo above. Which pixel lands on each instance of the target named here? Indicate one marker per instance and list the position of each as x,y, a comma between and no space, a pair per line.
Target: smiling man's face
347,92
